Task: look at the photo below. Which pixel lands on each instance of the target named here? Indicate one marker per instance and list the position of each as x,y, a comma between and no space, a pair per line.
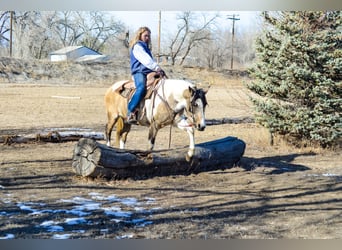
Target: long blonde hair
137,37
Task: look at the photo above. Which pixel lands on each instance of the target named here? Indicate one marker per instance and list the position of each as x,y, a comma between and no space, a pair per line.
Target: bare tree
91,29
25,31
42,38
213,53
189,35
97,28
35,33
66,28
4,27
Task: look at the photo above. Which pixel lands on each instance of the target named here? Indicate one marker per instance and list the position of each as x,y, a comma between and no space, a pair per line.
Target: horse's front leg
152,133
185,124
191,151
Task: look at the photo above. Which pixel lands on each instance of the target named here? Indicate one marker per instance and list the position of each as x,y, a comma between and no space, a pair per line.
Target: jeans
140,85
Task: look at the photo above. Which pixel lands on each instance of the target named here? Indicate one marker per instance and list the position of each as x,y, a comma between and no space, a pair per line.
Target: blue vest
136,66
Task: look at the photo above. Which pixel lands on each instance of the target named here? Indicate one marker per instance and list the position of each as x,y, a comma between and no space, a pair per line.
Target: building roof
68,49
92,58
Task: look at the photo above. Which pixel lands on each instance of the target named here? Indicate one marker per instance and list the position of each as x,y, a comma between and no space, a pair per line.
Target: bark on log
93,159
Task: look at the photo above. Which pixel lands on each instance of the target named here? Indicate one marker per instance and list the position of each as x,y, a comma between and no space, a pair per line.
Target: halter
198,94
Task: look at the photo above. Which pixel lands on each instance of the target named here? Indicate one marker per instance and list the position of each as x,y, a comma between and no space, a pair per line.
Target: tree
36,34
214,52
92,29
26,34
4,27
189,35
297,76
96,28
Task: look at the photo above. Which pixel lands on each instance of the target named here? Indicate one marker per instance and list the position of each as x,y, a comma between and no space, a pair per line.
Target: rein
162,98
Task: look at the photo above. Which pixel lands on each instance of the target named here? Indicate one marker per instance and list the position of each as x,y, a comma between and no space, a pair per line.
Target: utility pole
11,32
159,34
234,18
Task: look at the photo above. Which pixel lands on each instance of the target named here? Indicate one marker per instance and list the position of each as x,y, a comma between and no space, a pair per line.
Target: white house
75,53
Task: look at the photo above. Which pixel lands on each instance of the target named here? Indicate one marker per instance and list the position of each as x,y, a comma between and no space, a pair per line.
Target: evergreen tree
297,76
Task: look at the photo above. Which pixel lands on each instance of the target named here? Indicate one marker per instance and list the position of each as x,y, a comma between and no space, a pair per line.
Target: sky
136,19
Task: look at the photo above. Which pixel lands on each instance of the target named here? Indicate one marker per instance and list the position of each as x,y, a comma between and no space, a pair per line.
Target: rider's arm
141,55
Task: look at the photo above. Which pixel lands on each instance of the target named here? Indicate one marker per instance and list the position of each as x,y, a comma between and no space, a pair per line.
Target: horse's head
198,103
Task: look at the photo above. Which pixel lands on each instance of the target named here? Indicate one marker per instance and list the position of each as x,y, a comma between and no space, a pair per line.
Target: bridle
198,94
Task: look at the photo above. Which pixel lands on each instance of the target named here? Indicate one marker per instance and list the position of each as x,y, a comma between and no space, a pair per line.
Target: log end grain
86,156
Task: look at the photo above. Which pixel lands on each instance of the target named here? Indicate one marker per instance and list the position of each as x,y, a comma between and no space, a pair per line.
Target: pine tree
297,76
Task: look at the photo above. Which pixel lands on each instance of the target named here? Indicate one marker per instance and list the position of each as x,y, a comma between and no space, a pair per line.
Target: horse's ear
191,90
206,90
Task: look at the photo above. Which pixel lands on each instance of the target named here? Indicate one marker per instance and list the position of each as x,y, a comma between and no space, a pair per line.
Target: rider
142,63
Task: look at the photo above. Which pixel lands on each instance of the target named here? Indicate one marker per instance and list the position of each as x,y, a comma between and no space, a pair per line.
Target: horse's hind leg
109,127
122,130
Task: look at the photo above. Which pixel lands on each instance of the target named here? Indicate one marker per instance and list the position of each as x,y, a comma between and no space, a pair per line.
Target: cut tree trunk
93,159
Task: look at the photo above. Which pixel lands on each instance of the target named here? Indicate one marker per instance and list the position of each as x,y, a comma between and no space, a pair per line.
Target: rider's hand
161,72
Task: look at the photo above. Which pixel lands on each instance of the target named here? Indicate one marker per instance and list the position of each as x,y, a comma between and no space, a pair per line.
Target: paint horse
170,102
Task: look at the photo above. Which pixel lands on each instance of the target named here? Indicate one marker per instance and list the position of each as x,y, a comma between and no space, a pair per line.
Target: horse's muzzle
200,128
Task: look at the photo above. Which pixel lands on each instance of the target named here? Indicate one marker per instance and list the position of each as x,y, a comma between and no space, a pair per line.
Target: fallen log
93,159
51,136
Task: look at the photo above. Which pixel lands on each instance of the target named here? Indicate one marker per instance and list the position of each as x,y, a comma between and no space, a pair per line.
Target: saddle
127,89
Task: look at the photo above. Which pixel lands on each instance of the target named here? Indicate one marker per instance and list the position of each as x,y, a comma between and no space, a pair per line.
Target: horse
172,102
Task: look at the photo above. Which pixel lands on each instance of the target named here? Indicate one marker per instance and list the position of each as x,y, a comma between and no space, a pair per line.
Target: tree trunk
93,159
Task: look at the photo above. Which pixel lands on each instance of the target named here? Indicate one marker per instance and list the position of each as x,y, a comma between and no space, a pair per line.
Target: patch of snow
89,206
324,175
7,237
129,201
127,236
61,236
330,175
77,212
81,231
116,220
140,222
77,200
117,209
55,229
75,221
150,200
48,223
114,211
23,206
51,226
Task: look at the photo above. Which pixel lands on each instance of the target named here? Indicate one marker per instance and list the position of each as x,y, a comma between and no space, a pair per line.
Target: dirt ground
273,192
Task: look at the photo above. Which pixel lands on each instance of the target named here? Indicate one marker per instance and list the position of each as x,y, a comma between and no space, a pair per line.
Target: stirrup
131,119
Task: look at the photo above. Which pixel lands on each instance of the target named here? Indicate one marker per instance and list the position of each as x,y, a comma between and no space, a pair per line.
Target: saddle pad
118,86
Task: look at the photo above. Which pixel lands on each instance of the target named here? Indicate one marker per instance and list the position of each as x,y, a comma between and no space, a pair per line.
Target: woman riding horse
142,63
